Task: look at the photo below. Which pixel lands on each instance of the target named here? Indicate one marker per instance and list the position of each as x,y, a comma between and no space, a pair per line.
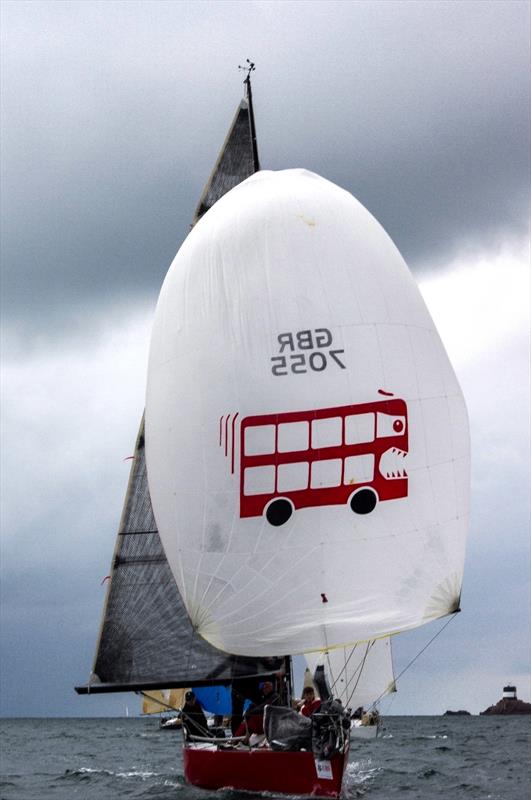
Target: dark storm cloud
114,113
113,116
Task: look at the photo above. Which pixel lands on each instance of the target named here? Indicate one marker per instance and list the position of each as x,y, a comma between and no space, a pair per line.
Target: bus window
326,473
291,477
292,436
359,428
259,480
359,469
259,440
390,424
327,432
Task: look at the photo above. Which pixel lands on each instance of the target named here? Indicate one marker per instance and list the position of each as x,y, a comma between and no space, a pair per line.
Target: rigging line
156,700
333,683
325,638
358,672
185,716
415,658
369,645
347,681
391,701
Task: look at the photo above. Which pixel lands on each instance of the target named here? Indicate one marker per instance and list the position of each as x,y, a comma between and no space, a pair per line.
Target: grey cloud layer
114,114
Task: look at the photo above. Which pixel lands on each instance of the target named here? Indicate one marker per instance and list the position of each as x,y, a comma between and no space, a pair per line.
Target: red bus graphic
352,454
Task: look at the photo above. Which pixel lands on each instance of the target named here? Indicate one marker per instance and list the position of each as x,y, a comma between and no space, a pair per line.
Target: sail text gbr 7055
348,481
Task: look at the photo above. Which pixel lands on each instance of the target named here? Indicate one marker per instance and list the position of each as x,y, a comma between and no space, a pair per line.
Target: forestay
307,440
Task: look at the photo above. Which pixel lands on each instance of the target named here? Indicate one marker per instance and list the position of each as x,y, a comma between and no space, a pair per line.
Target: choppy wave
84,773
416,759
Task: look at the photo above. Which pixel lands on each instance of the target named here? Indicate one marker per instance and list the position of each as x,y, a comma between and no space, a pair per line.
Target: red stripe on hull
262,770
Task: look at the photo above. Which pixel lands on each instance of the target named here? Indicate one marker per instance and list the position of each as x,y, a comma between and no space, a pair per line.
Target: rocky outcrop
459,713
508,705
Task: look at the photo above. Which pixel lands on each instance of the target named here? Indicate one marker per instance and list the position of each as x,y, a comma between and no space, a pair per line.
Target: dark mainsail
237,160
147,639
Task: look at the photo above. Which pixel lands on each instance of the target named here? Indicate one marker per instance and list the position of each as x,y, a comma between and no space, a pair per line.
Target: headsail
145,626
158,701
307,439
359,675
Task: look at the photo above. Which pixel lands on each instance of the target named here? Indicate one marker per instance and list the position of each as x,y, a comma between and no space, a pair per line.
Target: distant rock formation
459,713
508,705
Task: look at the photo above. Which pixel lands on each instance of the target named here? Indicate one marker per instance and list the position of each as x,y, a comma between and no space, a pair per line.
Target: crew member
193,716
253,720
310,702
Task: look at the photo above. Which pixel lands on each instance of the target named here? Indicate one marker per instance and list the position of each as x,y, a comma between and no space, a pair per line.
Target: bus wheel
278,512
363,502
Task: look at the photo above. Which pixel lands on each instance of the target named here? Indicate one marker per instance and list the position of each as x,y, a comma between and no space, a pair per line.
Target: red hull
262,770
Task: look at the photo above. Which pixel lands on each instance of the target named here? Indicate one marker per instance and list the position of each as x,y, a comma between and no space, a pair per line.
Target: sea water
416,758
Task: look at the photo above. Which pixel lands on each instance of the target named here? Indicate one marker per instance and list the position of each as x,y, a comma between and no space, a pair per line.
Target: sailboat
359,677
162,701
293,372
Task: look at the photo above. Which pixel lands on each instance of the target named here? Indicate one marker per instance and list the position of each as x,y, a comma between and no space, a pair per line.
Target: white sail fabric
295,374
359,675
307,681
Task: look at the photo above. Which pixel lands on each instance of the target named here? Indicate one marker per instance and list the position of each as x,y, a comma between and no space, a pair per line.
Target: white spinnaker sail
359,675
293,359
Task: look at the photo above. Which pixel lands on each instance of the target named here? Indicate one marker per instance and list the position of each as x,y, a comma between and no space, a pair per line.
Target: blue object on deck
216,699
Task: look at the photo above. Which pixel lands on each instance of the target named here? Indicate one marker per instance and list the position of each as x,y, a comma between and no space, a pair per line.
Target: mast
249,96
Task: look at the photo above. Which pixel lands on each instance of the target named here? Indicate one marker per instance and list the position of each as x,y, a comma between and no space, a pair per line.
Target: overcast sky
113,114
